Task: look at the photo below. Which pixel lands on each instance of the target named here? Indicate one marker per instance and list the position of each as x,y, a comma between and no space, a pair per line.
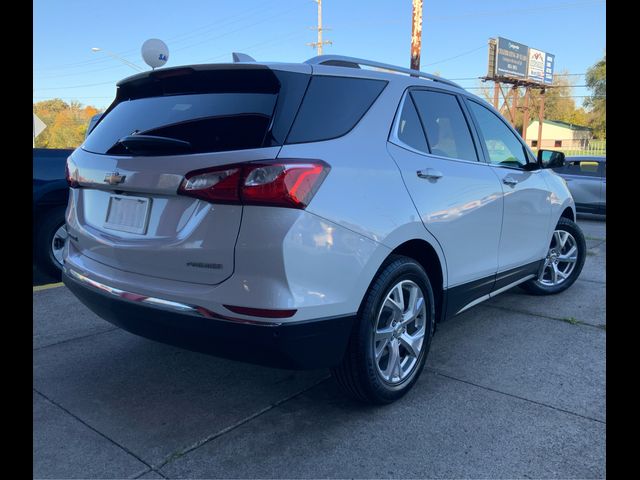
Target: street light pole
117,57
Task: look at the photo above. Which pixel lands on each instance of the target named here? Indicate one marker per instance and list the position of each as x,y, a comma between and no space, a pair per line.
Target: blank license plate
128,214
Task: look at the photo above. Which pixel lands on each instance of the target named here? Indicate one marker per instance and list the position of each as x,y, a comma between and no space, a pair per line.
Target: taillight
72,180
219,186
283,183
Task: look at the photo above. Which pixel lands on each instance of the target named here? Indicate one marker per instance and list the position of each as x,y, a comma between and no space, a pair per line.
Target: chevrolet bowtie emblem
114,178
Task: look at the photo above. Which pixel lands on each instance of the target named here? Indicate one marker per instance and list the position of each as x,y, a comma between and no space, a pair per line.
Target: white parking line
47,286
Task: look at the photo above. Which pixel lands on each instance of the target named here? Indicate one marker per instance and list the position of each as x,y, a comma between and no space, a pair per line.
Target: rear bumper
294,345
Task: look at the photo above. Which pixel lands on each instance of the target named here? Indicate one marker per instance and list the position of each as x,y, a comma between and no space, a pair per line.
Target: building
557,134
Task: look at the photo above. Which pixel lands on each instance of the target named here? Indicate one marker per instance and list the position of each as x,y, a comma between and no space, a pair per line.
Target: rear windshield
333,106
223,115
210,122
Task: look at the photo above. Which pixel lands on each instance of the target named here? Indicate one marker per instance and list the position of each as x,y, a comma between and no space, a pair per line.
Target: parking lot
513,388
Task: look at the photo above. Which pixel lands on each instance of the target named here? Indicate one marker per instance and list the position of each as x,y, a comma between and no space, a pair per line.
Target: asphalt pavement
513,388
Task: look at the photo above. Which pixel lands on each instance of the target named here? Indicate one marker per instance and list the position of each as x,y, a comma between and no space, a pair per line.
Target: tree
596,80
558,102
66,123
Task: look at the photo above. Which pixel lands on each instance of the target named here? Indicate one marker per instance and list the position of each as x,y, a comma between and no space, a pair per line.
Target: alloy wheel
561,259
399,332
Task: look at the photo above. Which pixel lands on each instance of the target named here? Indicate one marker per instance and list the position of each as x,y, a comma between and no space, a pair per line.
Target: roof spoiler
241,57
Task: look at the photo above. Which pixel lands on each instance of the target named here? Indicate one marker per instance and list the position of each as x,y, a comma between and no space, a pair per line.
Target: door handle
430,173
509,180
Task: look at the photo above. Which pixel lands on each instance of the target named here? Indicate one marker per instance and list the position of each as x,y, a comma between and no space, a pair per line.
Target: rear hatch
126,210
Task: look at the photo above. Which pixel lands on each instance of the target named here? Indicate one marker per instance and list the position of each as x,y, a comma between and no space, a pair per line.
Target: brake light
283,183
72,180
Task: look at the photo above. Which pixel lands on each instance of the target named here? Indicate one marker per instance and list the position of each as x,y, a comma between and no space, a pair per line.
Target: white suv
309,215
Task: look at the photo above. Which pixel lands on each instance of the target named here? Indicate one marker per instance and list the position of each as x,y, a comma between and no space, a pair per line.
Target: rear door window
409,130
447,131
332,106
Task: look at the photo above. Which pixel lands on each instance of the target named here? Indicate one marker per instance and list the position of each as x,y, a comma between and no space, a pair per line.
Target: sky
454,36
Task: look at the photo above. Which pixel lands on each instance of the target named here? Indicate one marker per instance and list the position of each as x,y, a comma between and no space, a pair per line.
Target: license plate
128,214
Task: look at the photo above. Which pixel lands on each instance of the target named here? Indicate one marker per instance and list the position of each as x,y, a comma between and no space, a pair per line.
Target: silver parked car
309,215
587,180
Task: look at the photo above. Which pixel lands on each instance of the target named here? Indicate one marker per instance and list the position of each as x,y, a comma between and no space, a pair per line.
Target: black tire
50,221
358,375
535,287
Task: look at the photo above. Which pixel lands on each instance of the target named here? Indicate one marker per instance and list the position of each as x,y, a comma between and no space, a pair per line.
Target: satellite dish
155,52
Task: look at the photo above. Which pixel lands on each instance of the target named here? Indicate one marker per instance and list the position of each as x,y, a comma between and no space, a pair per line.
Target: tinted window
210,122
332,106
446,128
214,110
580,167
502,144
409,129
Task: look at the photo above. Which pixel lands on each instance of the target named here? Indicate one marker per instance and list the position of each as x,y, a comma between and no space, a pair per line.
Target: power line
428,19
112,82
541,86
456,56
238,29
75,97
555,75
517,11
259,44
211,26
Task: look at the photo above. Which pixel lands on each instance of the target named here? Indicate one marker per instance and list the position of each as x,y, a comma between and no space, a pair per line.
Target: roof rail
342,61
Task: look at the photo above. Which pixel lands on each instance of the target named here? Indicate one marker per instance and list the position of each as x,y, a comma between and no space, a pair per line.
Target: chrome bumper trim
160,302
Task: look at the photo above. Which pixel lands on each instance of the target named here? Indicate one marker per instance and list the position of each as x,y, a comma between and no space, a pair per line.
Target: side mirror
550,159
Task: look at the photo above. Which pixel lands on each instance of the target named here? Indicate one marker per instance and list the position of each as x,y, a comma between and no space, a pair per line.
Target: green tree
596,80
558,102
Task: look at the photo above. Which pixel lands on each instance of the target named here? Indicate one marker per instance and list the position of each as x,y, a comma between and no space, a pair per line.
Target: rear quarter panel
364,192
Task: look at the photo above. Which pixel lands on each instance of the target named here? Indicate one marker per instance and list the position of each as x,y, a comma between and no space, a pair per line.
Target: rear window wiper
150,145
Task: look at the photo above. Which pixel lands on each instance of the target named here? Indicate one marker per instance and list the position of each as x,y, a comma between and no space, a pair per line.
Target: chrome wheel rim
399,332
57,243
561,259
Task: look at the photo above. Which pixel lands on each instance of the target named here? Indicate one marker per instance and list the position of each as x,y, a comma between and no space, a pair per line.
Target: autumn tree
66,123
596,80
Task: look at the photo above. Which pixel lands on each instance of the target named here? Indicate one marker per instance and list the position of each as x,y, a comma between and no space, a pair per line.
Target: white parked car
309,215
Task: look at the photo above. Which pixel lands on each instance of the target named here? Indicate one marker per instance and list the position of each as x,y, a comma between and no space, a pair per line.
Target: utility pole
540,118
416,34
525,114
320,42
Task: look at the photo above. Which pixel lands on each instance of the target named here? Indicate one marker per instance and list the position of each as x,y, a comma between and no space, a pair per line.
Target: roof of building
558,123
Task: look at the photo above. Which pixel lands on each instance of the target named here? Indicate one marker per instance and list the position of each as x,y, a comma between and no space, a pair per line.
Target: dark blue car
50,195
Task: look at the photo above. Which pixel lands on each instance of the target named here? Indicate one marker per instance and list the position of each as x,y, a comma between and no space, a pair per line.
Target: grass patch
571,320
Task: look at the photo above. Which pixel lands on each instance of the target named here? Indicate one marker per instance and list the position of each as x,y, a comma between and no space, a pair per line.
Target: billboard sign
535,70
548,68
511,59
